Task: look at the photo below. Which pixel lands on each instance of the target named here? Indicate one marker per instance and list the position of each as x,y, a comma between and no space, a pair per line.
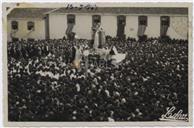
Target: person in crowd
44,86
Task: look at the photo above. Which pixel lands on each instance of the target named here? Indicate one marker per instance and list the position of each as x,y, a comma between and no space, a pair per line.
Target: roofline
31,18
115,14
53,10
75,10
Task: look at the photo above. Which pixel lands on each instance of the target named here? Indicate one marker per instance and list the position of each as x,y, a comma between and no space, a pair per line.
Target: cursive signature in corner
172,115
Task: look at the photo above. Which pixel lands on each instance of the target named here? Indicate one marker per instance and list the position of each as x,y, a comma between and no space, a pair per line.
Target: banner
69,28
141,30
163,30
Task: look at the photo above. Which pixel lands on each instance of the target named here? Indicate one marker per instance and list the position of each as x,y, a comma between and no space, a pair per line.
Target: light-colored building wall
178,27
23,32
57,26
109,24
83,26
131,27
153,26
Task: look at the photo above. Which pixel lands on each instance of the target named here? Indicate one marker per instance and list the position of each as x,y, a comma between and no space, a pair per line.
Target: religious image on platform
90,63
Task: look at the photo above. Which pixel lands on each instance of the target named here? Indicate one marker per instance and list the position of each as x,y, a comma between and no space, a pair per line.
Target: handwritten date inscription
82,6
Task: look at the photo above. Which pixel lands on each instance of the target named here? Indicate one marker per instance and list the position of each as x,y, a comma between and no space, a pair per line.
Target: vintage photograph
90,62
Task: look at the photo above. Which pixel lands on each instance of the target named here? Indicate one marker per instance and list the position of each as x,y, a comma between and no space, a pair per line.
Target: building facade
27,23
129,22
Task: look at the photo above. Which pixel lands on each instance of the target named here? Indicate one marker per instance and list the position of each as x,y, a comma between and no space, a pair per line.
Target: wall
153,26
131,27
83,26
109,24
178,27
23,32
58,25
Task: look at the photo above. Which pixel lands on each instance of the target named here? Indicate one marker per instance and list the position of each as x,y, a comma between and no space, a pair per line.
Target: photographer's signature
172,115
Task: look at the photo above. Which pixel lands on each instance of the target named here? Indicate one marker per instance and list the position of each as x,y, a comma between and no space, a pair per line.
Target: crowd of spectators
44,86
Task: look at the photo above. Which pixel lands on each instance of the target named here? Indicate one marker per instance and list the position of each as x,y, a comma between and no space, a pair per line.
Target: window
165,23
70,25
70,19
143,20
165,20
14,25
142,26
30,25
121,20
96,19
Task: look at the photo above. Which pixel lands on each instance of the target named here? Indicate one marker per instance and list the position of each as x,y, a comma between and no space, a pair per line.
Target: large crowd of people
44,86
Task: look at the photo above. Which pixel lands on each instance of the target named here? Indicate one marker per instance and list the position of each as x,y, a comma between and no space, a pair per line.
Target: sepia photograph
97,63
